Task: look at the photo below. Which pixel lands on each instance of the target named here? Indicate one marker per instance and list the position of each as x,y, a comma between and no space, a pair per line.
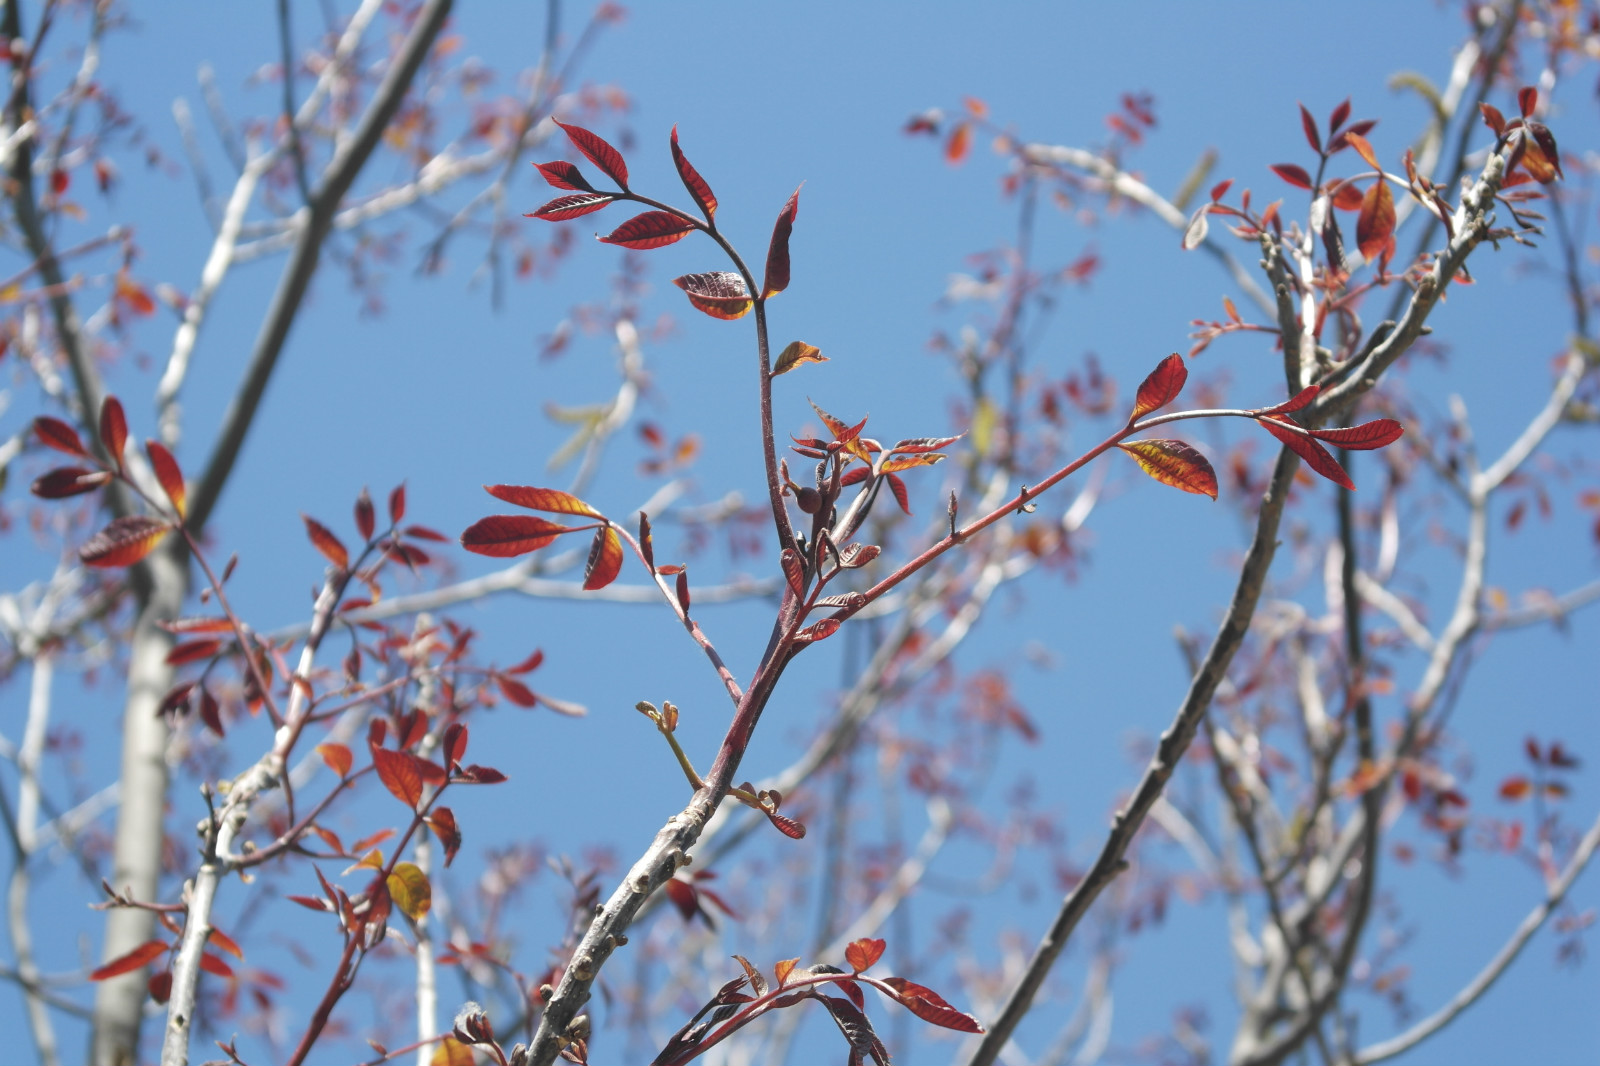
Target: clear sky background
446,393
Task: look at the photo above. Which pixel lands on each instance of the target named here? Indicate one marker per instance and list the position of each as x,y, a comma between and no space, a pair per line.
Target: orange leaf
197,625
693,181
507,535
1316,456
113,429
720,293
956,148
337,756
1363,149
928,1005
605,559
1162,386
399,774
133,960
796,353
124,542
1172,462
225,942
653,229
552,500
864,953
168,474
326,543
1375,226
1515,788
783,969
777,275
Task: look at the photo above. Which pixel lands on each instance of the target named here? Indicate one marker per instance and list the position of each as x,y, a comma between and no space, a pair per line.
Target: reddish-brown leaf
1527,100
1172,462
1375,227
1515,788
797,353
575,206
928,1005
145,953
226,943
1340,113
67,481
169,475
480,775
113,429
516,691
326,543
600,153
210,711
336,756
777,275
54,433
719,293
1363,149
605,559
683,591
1293,174
683,896
653,229
214,965
1309,124
901,496
563,175
366,516
535,499
397,503
1347,196
863,954
1316,456
399,773
1161,387
124,542
193,650
507,535
925,444
1545,141
1295,402
703,196
1493,119
528,665
1379,433
785,825
794,572
818,631
958,144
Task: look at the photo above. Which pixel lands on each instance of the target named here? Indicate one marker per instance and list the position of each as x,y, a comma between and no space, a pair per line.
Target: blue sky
447,394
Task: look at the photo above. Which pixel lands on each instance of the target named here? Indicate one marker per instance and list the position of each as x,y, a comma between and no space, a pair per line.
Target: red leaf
1161,387
1363,149
574,206
516,691
366,517
785,825
653,229
777,275
819,631
898,487
67,481
1493,119
443,822
1379,433
225,942
600,153
720,294
863,954
210,711
326,543
337,757
213,964
528,665
928,1005
1347,197
507,535
955,149
1172,462
1315,455
1340,113
54,433
124,542
399,774
1220,189
455,742
397,503
1515,788
1294,175
192,650
1375,227
133,960
684,897
168,474
794,572
605,559
693,181
480,775
683,590
1295,402
1527,100
563,175
113,429
553,500
1309,124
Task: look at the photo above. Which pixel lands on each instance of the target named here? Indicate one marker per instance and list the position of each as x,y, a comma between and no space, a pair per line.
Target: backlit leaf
397,503
785,825
1493,119
113,429
1316,456
901,497
777,275
925,444
455,743
1295,402
1161,387
1379,433
703,196
409,889
366,517
819,631
452,1052
1527,100
958,144
563,175
575,206
213,965
653,229
535,499
906,462
506,535
928,1005
1340,113
719,293
1375,227
443,822
797,353
225,943
56,434
124,542
1293,174
1172,462
794,572
605,559
136,959
1309,124
67,481
516,691
325,542
783,969
863,954
758,980
169,475
399,774
192,651
1363,149
1515,788
336,756
600,153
